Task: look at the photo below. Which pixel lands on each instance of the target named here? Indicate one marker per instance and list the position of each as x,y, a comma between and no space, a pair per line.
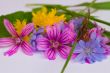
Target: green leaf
99,5
107,34
36,9
3,31
12,17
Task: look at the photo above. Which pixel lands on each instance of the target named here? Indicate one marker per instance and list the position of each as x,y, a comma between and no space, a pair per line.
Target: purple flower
56,40
34,37
17,40
103,40
90,51
77,22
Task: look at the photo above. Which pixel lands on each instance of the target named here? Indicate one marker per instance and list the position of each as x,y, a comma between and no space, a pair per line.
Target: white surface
20,63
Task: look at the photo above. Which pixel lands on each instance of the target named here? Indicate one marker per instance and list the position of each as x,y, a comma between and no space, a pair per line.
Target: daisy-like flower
89,51
56,40
19,37
44,18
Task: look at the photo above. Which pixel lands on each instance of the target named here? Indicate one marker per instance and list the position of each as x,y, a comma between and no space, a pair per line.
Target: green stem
68,59
84,15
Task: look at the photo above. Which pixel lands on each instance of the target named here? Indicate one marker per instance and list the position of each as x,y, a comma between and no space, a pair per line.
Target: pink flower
56,39
17,40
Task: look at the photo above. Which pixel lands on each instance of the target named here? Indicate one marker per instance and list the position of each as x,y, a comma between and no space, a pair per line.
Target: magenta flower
17,40
56,40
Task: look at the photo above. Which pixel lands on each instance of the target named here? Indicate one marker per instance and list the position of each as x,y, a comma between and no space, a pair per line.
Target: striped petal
64,51
26,48
10,28
6,42
12,51
53,32
50,54
42,44
66,36
27,30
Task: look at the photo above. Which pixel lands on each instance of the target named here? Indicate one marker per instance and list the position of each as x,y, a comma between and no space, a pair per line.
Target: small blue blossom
90,51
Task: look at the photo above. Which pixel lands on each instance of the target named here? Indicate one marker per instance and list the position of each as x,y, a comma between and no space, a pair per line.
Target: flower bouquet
56,29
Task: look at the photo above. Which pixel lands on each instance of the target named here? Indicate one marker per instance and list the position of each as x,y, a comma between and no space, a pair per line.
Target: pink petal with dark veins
12,51
10,28
27,30
26,48
50,54
64,51
42,44
6,42
66,36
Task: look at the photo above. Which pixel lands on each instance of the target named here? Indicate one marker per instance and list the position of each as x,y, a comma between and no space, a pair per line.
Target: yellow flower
45,18
19,27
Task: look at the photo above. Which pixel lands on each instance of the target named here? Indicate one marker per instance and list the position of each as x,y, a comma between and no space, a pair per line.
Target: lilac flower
90,51
16,40
77,22
34,37
56,40
103,40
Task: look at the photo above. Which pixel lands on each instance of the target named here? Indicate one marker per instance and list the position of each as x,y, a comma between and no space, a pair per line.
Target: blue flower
90,51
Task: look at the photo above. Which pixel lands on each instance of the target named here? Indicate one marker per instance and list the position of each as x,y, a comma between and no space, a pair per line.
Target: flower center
17,40
88,50
55,44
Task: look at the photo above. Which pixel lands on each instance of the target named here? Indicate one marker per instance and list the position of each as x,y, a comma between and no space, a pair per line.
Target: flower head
36,35
103,40
18,38
56,40
44,18
89,51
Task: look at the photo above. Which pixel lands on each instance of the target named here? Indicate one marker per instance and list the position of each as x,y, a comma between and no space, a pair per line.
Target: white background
20,63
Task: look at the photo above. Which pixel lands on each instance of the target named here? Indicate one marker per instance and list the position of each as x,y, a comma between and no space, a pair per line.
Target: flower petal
82,44
33,41
80,58
50,54
49,31
78,49
42,43
93,35
27,29
66,36
10,28
64,51
99,50
99,57
6,42
26,48
12,51
53,32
